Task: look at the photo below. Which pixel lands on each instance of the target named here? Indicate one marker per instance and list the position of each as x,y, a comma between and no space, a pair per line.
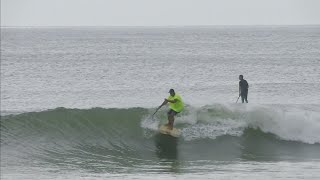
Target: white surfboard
165,130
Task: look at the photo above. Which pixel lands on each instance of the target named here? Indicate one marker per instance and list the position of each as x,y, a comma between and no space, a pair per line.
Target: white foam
288,122
151,123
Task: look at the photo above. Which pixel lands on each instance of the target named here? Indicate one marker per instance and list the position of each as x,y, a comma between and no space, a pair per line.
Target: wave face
125,138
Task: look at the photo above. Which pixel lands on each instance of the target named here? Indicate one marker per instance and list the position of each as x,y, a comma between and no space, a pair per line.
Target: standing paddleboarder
243,89
176,106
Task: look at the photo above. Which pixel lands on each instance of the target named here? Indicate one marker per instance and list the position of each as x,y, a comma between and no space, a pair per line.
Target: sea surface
77,102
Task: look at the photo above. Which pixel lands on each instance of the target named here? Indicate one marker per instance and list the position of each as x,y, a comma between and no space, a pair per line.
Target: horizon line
137,26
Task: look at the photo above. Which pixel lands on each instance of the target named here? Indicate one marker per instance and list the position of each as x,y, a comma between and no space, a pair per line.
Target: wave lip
291,123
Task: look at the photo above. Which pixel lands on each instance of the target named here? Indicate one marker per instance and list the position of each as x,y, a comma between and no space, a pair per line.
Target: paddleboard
165,130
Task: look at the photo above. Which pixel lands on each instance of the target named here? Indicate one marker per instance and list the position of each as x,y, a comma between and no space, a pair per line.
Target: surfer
176,106
243,89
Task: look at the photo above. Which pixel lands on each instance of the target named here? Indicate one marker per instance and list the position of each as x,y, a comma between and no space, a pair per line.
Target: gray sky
158,12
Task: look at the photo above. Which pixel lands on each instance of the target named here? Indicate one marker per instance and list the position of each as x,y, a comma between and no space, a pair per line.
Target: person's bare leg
170,123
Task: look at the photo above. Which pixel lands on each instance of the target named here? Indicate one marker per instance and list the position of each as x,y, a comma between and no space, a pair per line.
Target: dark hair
241,76
171,90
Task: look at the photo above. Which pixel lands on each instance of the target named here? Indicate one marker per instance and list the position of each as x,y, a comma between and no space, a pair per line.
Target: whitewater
77,103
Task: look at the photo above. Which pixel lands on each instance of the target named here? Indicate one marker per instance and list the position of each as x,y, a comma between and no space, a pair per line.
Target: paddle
164,102
237,99
155,112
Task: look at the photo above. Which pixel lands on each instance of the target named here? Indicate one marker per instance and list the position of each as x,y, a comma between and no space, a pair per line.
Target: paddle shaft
237,99
155,112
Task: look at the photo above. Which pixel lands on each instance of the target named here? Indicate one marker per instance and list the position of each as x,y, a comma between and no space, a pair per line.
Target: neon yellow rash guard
177,106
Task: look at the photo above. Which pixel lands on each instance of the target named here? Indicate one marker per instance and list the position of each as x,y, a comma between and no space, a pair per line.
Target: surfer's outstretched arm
164,103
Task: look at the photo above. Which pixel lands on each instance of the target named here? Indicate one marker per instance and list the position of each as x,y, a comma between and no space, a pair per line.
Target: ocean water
76,102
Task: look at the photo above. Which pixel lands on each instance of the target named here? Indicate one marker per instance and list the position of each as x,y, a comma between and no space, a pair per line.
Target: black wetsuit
243,87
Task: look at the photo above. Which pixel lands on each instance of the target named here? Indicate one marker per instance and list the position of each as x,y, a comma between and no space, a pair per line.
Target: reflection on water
167,151
166,146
